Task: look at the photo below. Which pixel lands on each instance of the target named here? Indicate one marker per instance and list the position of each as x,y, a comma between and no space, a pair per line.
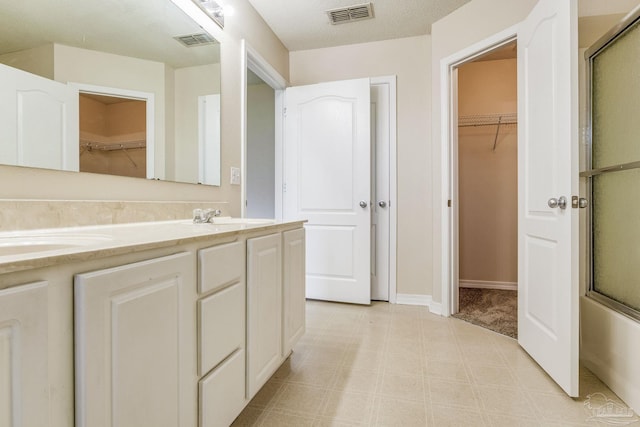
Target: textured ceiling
303,24
139,28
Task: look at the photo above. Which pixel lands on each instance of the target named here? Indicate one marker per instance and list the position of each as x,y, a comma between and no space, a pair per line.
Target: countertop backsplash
35,214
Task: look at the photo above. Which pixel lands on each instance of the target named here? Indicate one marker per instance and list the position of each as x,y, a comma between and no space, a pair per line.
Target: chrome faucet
201,216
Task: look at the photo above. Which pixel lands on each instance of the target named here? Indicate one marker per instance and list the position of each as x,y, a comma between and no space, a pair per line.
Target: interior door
548,169
39,124
380,130
327,182
209,139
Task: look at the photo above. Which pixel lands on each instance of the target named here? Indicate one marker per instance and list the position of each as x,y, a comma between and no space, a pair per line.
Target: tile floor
394,365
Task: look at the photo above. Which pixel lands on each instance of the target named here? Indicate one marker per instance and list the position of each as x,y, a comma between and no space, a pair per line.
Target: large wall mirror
122,87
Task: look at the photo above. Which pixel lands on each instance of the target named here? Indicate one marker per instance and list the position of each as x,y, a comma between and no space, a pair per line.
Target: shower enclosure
613,177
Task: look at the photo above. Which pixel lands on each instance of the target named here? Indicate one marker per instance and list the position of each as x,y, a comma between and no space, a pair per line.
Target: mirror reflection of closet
113,135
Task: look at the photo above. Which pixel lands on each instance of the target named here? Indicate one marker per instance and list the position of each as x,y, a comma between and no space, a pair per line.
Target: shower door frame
603,42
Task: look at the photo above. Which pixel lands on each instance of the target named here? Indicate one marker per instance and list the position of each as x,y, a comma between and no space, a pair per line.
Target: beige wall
54,185
190,83
38,60
408,59
487,178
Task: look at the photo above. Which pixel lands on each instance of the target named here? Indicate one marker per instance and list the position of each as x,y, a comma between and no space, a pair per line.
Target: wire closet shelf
496,119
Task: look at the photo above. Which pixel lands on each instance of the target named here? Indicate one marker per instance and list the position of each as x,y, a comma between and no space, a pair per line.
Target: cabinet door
24,351
135,329
293,298
264,310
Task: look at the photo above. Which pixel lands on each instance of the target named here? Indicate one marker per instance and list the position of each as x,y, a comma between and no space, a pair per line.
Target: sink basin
19,245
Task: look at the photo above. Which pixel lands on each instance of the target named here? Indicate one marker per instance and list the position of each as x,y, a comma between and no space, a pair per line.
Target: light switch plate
235,176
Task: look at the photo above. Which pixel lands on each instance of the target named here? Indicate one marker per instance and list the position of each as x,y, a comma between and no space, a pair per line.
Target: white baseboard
422,300
436,308
413,299
483,284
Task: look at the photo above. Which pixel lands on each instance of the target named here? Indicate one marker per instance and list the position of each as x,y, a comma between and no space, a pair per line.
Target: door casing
252,60
448,143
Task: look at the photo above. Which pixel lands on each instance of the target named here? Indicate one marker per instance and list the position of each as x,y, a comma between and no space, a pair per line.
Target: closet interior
488,190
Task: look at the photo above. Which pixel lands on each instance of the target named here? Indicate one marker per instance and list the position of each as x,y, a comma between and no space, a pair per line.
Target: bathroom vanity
164,324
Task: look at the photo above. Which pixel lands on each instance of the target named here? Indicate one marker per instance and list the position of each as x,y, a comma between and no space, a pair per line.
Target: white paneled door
547,173
327,181
380,191
39,124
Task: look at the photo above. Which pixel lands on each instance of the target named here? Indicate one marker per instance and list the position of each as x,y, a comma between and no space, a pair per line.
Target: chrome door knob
560,202
382,204
363,204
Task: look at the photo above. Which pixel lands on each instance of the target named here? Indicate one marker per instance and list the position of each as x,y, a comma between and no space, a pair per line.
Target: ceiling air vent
199,39
354,13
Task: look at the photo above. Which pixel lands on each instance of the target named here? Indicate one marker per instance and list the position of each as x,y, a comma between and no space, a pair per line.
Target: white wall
260,151
408,59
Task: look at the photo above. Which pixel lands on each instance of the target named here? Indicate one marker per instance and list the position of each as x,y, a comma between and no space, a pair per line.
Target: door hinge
284,111
284,187
449,203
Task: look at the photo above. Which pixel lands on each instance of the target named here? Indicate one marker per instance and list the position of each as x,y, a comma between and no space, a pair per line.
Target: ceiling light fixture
213,9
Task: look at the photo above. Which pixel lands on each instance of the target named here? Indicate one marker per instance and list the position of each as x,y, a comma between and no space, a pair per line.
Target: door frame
393,186
252,60
449,161
149,99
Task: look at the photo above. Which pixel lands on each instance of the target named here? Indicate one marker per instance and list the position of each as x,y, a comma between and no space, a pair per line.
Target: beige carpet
490,308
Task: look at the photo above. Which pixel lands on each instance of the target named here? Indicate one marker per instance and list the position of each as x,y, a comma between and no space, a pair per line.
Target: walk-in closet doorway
485,183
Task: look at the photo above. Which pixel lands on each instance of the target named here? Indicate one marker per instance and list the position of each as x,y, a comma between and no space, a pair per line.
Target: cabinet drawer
222,393
221,318
220,265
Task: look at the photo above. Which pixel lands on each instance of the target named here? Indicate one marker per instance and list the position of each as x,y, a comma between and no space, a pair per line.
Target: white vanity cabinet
179,326
264,304
135,344
24,350
221,333
293,291
275,302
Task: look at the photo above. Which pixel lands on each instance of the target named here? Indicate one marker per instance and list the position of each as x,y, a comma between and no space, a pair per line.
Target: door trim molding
251,59
393,185
448,163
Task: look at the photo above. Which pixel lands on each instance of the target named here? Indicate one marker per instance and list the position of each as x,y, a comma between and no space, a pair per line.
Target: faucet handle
199,216
205,215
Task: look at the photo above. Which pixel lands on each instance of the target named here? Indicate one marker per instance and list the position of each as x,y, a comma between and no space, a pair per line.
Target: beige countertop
22,250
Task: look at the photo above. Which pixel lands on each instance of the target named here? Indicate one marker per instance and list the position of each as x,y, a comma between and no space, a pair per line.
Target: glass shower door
614,67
